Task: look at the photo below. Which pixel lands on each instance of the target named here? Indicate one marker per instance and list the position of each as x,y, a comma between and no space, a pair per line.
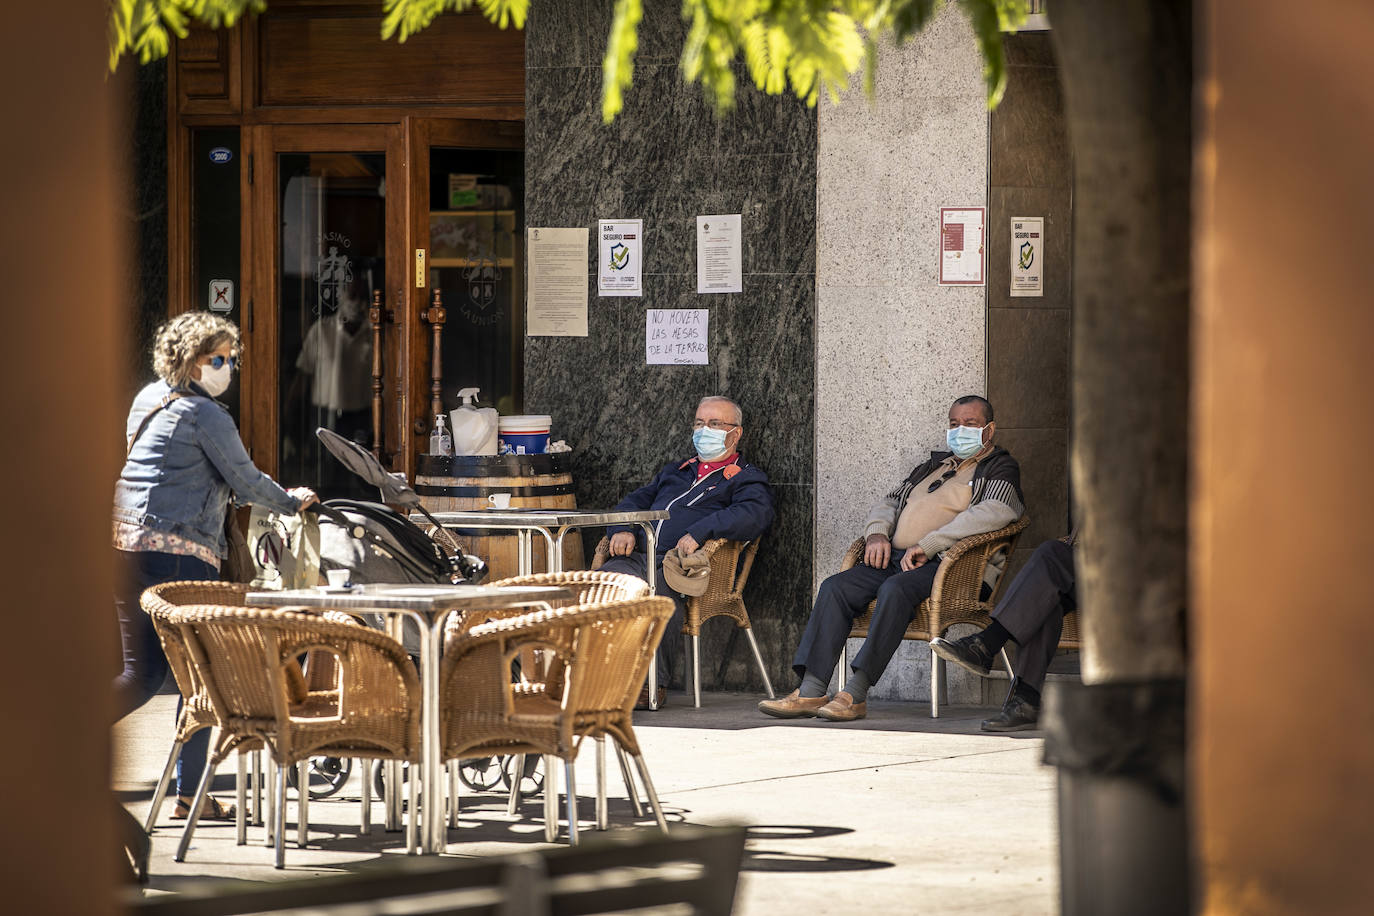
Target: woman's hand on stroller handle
305,495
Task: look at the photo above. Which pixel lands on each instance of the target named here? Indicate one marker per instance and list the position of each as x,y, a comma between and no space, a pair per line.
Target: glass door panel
476,258
331,257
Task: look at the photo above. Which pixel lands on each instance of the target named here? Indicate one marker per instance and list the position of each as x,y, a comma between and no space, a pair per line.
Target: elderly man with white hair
714,493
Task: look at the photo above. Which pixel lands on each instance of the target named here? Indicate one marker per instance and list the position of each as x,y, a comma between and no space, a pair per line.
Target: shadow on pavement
778,861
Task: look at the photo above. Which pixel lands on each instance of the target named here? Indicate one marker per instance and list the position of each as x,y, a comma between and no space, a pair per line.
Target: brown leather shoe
843,708
792,706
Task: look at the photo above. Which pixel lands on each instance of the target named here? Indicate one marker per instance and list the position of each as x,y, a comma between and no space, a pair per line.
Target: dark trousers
670,649
145,665
1033,609
844,596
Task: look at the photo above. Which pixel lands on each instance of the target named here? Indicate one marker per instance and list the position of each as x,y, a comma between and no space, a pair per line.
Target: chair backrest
587,586
731,562
181,594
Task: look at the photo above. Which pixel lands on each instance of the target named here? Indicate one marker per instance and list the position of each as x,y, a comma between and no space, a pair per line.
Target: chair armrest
853,555
960,548
956,594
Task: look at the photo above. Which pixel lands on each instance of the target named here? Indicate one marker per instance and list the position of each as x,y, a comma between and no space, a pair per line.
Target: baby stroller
376,543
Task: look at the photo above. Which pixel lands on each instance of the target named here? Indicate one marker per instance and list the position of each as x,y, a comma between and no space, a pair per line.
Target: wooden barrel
533,481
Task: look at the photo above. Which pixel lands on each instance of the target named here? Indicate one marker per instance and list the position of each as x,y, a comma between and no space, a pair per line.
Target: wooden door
327,225
466,230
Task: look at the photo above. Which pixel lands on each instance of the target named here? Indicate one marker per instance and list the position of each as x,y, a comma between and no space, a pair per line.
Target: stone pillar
893,347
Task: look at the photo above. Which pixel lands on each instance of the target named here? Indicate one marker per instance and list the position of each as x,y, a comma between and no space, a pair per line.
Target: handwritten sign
676,337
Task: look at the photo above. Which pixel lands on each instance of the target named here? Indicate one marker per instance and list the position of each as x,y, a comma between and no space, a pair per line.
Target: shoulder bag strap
147,418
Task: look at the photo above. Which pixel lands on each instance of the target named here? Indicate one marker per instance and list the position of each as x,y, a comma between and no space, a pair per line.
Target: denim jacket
181,472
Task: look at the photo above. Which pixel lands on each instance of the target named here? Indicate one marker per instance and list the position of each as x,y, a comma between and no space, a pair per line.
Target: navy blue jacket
731,502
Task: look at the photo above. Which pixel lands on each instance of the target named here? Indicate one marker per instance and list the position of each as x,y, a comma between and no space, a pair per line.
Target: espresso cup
499,500
338,578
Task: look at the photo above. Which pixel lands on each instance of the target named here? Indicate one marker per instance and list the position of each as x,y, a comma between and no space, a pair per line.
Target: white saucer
335,589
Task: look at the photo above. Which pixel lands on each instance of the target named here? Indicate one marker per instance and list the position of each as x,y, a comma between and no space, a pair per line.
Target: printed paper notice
719,244
618,268
961,246
1027,261
676,337
557,282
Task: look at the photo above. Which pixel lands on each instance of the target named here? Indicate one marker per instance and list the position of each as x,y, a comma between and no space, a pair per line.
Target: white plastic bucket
524,434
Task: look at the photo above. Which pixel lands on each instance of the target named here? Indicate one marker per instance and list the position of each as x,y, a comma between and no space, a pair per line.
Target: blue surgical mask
965,441
709,443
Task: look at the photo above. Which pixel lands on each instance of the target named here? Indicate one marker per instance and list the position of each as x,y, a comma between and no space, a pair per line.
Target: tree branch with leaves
798,46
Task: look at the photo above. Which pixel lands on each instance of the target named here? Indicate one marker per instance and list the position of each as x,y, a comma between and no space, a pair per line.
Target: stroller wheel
327,775
531,776
481,774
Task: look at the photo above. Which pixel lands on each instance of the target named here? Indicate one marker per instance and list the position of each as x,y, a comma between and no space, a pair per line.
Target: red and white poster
961,246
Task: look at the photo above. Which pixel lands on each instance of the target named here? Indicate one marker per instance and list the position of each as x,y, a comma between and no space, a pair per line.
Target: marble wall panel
666,159
1055,205
1028,367
1043,456
1029,338
1030,127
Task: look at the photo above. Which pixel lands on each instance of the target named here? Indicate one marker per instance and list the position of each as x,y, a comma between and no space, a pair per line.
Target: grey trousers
843,596
1033,609
670,649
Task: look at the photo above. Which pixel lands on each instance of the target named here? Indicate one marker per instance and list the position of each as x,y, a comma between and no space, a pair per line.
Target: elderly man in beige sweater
973,488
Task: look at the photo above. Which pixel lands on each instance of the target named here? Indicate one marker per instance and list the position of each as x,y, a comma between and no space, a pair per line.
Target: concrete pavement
898,813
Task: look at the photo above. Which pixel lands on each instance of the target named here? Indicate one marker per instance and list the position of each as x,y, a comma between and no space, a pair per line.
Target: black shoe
967,652
1017,715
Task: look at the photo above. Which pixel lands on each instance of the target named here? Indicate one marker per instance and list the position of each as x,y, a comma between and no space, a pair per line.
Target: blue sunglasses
217,362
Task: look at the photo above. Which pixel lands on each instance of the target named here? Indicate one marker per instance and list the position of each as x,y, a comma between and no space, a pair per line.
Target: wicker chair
245,659
159,602
954,598
731,562
600,656
588,587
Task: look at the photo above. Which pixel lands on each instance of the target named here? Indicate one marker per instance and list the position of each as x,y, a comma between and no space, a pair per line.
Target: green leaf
142,27
618,66
989,19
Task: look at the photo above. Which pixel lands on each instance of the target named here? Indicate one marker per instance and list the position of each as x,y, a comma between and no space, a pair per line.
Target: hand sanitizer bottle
440,442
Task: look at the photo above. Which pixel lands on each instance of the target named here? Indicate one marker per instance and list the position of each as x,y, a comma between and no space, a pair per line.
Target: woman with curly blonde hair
185,462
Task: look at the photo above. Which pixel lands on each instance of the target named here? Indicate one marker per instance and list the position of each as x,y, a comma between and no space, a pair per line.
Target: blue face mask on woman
965,441
709,443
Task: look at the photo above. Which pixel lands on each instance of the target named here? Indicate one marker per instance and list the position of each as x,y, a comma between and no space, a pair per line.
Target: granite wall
894,348
665,160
